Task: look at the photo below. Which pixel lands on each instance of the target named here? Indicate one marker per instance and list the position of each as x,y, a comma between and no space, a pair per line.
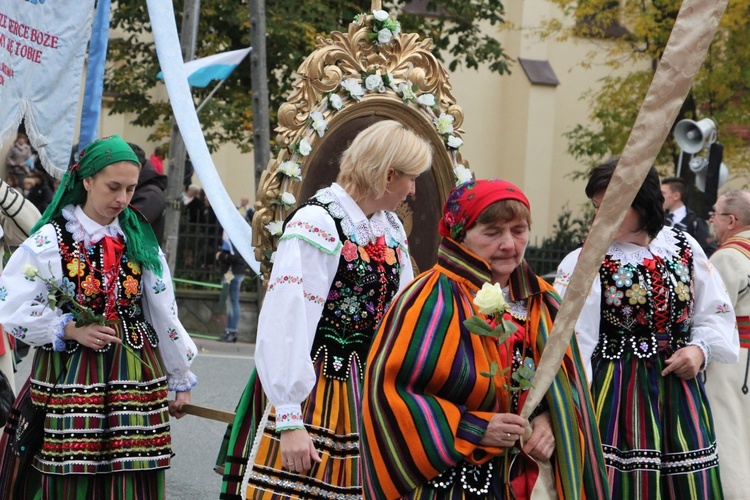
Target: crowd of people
370,382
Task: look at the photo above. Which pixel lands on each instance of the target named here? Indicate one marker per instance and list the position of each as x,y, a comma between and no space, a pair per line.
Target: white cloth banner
42,52
164,28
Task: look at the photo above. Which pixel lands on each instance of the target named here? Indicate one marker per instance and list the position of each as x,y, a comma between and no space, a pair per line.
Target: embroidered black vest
83,277
366,280
646,308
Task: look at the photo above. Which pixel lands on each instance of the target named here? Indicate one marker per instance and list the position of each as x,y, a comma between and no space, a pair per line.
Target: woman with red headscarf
441,404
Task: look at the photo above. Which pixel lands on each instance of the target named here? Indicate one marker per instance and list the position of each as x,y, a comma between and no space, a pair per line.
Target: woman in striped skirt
101,382
441,402
341,259
656,315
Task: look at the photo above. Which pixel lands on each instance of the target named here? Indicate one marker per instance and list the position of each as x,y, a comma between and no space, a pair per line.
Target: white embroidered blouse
305,266
23,315
714,328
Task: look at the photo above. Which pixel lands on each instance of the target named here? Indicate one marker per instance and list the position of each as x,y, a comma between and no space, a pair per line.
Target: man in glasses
681,217
727,385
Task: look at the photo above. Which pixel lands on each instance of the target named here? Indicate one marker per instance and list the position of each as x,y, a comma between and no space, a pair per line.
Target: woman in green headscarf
103,384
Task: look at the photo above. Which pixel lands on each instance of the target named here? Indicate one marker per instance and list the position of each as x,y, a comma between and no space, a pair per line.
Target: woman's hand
541,444
685,362
180,398
93,336
297,450
503,430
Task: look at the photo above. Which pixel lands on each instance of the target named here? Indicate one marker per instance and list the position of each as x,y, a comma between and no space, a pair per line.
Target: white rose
444,124
304,147
426,100
29,271
462,174
336,102
380,15
318,122
291,169
275,227
374,82
384,36
352,86
407,92
454,142
490,299
287,199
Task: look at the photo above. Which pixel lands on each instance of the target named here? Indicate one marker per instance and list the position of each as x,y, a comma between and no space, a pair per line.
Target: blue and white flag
216,67
42,51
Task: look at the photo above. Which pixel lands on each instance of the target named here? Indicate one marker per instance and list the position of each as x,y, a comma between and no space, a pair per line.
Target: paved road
223,370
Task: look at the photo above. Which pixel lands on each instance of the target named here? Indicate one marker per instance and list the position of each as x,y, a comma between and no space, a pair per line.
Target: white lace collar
517,308
85,229
664,245
354,222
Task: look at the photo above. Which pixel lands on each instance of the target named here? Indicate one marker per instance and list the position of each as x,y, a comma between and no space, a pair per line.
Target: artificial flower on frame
462,174
454,142
302,147
286,200
352,87
318,123
291,169
275,227
335,101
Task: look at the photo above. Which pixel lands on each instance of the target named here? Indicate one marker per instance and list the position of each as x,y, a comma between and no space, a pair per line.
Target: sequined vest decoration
83,277
366,280
646,308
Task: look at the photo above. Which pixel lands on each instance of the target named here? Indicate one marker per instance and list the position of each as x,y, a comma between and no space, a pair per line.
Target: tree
633,32
292,29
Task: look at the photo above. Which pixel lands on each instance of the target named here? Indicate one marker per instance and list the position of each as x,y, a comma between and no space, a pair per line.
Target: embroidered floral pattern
349,251
3,293
682,291
67,286
613,296
285,280
19,332
159,286
314,298
682,272
723,309
76,268
40,240
173,334
135,268
623,278
91,285
637,294
131,286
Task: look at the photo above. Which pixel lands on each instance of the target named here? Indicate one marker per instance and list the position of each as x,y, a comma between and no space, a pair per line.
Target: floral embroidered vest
366,280
646,308
83,276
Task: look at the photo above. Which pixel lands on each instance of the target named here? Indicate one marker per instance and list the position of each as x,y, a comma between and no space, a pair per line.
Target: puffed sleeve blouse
25,313
714,328
304,268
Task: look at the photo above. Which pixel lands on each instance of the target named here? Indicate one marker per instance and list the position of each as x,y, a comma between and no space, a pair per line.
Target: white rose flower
287,199
352,86
374,82
426,100
304,147
336,102
462,174
454,142
384,36
406,91
318,122
275,227
29,271
291,169
391,81
490,299
380,15
444,124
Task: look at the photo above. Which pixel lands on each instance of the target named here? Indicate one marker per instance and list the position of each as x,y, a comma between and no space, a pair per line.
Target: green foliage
292,28
569,232
636,33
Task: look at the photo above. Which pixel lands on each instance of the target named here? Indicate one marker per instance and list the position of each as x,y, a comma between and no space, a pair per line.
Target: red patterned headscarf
467,201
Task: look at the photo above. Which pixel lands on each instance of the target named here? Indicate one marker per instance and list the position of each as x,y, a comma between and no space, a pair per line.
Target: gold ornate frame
354,55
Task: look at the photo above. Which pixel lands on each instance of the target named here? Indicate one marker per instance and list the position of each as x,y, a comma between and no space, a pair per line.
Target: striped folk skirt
106,430
331,415
657,432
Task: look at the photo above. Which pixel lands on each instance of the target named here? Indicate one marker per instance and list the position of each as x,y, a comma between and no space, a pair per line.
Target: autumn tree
634,33
292,29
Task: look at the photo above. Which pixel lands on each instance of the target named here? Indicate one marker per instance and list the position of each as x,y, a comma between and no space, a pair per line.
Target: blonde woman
341,259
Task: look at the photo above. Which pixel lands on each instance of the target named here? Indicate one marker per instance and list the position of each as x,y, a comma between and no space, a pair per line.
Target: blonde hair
386,144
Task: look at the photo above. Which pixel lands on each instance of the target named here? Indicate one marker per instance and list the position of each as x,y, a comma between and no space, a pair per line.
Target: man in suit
680,216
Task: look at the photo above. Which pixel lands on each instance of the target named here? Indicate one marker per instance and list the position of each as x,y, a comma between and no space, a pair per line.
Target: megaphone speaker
700,177
692,136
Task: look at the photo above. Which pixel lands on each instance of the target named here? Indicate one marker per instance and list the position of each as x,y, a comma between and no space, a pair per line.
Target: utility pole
259,81
177,154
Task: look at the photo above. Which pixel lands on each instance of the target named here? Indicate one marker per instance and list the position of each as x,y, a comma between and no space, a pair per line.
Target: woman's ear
391,173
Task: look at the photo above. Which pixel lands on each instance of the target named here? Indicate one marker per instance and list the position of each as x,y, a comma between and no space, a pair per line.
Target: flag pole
210,95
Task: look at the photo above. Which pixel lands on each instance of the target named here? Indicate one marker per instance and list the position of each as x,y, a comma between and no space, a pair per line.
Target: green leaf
477,325
492,372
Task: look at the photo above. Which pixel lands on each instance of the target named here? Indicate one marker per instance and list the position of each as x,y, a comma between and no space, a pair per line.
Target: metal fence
544,261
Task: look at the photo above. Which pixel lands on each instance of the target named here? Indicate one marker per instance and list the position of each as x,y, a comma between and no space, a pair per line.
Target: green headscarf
141,244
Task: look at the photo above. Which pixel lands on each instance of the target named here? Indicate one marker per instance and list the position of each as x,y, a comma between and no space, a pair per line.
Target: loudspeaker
701,171
692,136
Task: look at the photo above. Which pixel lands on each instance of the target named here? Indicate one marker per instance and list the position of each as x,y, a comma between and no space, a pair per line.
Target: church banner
42,53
